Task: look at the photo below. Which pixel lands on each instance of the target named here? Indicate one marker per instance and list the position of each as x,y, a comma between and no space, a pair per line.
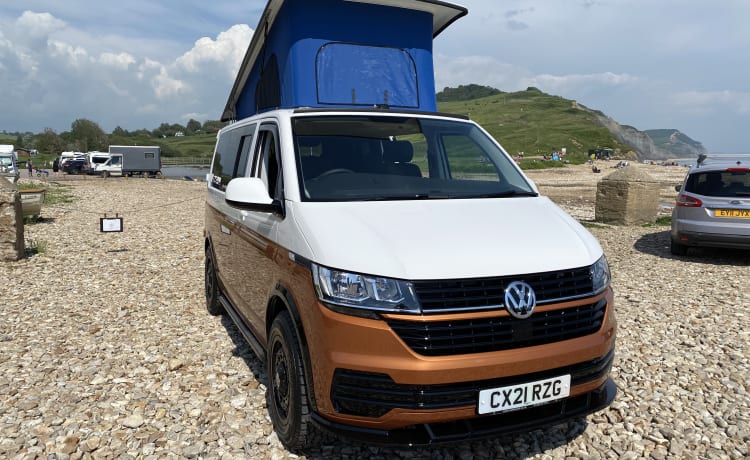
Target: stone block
11,223
627,197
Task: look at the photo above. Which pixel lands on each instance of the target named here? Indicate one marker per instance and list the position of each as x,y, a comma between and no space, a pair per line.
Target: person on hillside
56,166
30,167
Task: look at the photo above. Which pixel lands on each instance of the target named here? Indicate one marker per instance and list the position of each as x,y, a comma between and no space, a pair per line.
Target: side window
246,143
268,165
231,157
467,160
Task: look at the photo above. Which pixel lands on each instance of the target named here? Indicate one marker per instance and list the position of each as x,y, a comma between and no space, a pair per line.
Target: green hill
7,139
537,123
676,142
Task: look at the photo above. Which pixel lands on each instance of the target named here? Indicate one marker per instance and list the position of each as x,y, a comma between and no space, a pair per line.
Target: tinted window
727,183
231,156
268,163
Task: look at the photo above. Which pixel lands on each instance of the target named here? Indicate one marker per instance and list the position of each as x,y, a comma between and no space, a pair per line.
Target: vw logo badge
520,299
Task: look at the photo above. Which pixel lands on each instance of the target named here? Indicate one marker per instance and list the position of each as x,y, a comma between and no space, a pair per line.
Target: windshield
364,157
6,161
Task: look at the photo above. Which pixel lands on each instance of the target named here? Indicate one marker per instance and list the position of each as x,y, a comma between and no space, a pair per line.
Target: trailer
129,160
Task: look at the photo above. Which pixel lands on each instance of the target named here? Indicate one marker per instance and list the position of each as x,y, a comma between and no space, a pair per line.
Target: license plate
514,397
744,213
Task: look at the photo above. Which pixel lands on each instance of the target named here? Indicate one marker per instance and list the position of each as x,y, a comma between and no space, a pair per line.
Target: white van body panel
443,239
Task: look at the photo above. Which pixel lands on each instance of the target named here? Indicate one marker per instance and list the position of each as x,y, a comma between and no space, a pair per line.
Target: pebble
106,350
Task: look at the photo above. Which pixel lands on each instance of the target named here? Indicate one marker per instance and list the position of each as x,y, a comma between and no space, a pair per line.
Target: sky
650,64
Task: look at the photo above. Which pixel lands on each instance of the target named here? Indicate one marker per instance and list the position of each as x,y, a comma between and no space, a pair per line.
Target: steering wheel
331,172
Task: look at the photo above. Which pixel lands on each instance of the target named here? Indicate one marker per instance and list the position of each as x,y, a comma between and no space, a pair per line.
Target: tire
287,390
213,305
678,249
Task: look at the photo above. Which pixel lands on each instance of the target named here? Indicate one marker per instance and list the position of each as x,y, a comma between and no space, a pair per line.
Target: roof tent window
352,74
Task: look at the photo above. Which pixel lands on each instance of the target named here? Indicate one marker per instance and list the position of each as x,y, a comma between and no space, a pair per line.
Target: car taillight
688,201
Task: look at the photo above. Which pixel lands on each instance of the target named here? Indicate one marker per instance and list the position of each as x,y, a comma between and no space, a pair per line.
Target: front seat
397,156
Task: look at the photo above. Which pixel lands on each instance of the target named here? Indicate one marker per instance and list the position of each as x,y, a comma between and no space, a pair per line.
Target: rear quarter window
231,156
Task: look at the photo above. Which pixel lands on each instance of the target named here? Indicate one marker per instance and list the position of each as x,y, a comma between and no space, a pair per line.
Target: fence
185,161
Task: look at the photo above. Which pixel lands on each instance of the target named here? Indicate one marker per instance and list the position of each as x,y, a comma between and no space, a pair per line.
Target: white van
9,163
366,255
401,277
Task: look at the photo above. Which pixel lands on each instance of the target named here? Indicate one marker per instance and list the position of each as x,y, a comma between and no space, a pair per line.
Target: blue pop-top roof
341,53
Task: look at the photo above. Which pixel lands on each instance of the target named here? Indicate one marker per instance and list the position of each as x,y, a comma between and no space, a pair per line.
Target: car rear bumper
711,240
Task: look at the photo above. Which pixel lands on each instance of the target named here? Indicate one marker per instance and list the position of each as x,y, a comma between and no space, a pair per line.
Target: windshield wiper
414,196
508,194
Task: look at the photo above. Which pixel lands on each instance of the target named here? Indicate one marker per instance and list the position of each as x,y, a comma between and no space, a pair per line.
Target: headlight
600,275
373,293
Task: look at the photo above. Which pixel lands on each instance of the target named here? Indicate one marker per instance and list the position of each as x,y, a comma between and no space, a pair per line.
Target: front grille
373,395
479,335
440,296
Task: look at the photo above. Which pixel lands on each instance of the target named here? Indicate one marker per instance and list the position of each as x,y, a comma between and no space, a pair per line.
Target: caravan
392,265
129,160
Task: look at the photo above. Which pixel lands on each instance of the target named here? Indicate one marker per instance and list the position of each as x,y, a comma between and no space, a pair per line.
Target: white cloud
710,102
482,70
120,61
70,55
166,86
562,84
226,51
33,29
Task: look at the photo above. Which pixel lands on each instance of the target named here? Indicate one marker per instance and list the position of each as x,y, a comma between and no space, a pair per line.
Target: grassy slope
7,139
535,123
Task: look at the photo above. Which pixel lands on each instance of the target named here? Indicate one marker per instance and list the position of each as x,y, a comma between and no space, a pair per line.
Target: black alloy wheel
287,390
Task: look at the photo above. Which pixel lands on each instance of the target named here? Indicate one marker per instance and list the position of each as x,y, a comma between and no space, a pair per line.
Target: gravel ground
106,350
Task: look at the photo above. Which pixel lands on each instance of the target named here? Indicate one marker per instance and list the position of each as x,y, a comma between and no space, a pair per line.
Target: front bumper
360,347
480,427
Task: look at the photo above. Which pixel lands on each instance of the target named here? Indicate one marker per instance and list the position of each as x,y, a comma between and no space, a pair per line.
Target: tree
466,92
120,132
192,126
212,126
88,135
49,142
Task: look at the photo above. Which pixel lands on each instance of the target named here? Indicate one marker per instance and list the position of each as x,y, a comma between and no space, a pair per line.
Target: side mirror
678,187
250,194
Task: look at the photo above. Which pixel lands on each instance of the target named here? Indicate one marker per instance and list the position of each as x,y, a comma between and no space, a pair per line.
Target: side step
258,349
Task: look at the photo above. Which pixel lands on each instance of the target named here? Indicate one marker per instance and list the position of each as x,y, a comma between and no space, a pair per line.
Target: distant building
179,134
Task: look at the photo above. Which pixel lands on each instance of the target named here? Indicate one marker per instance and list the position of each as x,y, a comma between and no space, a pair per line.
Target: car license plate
515,397
745,213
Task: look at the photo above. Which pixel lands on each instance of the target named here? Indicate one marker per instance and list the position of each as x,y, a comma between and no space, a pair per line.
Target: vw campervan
392,264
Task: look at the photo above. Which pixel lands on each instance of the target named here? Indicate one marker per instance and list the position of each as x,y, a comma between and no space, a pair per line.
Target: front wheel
287,390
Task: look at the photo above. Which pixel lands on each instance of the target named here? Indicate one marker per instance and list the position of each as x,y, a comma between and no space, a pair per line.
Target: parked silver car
713,206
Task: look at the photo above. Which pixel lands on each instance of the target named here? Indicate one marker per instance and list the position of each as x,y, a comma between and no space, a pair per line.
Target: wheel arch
282,300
